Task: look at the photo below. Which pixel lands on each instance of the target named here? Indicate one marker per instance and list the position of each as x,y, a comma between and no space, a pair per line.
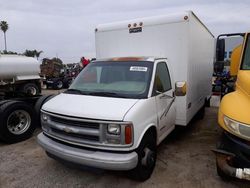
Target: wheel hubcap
31,90
18,122
59,84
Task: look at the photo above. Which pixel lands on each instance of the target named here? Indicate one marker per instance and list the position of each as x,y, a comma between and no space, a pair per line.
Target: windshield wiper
76,91
107,94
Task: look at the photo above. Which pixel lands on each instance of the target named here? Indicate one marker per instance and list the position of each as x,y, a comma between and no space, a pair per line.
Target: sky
65,28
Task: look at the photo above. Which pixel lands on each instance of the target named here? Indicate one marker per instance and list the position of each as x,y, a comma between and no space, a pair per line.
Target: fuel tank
12,66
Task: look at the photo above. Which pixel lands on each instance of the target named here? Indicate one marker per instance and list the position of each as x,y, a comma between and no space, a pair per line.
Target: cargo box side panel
200,66
169,40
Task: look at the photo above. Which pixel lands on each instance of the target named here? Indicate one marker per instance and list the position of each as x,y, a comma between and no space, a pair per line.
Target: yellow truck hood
236,105
243,81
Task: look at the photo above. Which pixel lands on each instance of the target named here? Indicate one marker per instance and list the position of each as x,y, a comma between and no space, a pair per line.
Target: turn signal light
128,134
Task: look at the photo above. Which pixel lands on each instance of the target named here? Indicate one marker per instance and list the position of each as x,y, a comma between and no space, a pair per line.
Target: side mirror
220,53
220,49
235,60
180,88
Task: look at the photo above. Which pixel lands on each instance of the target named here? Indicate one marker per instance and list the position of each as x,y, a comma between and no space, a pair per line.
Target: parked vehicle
58,75
19,74
150,75
233,148
223,81
20,88
223,84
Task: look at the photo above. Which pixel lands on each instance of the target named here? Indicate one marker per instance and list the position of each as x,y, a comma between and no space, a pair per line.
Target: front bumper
237,146
97,159
232,157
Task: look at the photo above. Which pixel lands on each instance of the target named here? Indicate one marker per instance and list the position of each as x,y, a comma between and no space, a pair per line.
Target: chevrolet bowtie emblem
67,130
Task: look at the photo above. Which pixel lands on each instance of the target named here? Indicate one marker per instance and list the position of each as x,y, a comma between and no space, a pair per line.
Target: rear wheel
30,89
59,84
201,112
17,121
146,158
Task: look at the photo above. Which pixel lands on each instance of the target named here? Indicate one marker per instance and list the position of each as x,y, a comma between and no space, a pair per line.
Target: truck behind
20,88
150,75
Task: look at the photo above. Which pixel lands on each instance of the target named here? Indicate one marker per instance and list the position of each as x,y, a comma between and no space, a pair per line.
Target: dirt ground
184,160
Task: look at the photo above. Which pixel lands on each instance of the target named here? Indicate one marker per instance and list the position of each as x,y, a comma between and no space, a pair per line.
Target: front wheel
17,121
146,158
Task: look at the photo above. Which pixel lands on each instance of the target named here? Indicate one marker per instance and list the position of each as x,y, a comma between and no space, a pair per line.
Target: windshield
246,56
114,79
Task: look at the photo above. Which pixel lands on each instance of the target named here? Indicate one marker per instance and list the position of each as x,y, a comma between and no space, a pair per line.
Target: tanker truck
19,74
20,90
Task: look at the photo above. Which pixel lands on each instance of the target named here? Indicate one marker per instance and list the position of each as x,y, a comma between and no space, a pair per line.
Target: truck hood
235,105
243,81
91,107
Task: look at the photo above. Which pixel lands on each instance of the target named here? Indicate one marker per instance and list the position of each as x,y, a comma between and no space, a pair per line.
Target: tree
4,27
38,53
32,53
29,53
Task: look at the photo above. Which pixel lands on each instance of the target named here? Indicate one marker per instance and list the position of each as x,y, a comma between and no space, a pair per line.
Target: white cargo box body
18,67
181,38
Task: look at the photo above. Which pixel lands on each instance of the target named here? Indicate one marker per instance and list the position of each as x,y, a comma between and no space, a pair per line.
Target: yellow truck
233,148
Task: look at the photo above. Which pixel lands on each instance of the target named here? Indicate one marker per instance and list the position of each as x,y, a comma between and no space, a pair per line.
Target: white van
150,75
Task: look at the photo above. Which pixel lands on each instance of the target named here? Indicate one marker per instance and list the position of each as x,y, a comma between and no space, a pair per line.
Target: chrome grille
74,130
75,123
73,135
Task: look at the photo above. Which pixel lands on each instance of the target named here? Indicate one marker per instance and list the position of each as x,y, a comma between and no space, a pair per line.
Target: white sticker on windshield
140,69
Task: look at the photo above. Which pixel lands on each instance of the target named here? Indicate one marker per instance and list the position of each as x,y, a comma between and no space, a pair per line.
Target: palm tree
32,53
29,53
38,53
4,27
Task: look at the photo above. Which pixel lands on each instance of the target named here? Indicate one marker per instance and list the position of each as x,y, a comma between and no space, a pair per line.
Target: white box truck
150,75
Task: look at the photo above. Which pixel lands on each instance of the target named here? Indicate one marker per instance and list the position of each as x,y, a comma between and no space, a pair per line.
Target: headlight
44,117
114,129
238,128
231,124
119,133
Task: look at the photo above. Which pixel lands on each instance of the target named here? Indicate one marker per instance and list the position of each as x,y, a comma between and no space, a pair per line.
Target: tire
201,112
69,82
208,102
145,165
30,89
17,121
58,84
43,99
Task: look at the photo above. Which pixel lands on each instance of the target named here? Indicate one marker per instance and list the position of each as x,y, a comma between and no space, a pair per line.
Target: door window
162,81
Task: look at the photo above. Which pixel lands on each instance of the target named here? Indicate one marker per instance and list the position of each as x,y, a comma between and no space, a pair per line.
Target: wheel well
152,130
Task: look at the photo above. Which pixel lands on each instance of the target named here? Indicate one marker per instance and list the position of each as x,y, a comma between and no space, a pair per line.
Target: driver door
164,99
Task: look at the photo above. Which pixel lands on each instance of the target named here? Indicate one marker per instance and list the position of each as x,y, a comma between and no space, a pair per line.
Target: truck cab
233,149
120,107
